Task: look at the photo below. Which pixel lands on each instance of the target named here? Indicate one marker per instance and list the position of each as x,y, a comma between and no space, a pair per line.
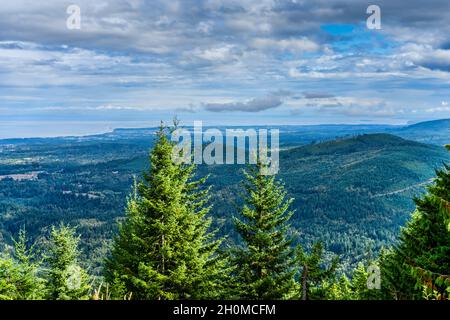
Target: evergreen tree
31,286
359,285
339,290
423,253
9,276
66,279
265,266
164,249
447,213
19,278
314,276
396,282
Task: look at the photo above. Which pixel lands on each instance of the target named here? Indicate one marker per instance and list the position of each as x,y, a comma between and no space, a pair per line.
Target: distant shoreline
113,130
54,130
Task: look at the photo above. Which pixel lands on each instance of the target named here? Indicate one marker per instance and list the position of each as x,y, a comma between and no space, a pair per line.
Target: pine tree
314,275
164,249
66,279
422,255
265,266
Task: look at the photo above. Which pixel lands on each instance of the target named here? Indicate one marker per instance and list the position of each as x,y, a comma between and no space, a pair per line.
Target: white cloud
270,101
114,107
291,45
350,106
438,109
425,55
225,53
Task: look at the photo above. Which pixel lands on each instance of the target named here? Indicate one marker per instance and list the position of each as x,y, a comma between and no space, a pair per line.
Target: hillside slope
353,194
436,132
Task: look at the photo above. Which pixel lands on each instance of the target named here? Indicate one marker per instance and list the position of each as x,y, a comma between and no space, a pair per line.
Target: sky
133,63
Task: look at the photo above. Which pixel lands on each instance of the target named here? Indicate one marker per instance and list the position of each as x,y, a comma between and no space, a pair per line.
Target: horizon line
112,130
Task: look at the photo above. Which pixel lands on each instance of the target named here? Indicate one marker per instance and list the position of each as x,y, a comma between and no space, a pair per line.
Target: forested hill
358,143
436,125
436,131
352,193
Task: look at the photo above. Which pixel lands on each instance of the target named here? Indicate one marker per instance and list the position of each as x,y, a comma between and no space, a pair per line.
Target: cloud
425,55
160,55
317,95
171,27
114,107
438,109
436,59
27,64
189,109
291,45
340,105
223,54
270,101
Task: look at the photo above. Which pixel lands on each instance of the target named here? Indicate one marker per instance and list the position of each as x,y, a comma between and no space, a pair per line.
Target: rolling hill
436,132
353,194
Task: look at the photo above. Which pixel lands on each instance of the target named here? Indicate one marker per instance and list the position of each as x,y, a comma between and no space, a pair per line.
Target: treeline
166,248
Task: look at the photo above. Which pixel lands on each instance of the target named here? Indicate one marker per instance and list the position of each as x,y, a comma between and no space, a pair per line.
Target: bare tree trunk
163,264
304,282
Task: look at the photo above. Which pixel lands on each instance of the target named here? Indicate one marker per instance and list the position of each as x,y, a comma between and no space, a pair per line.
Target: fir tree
164,249
396,282
9,276
66,279
265,266
314,276
339,290
359,284
422,255
31,285
19,274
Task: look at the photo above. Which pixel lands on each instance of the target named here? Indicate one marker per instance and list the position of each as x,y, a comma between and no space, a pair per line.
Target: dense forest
171,244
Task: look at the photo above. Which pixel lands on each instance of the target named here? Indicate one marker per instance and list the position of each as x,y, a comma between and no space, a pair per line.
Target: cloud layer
135,58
